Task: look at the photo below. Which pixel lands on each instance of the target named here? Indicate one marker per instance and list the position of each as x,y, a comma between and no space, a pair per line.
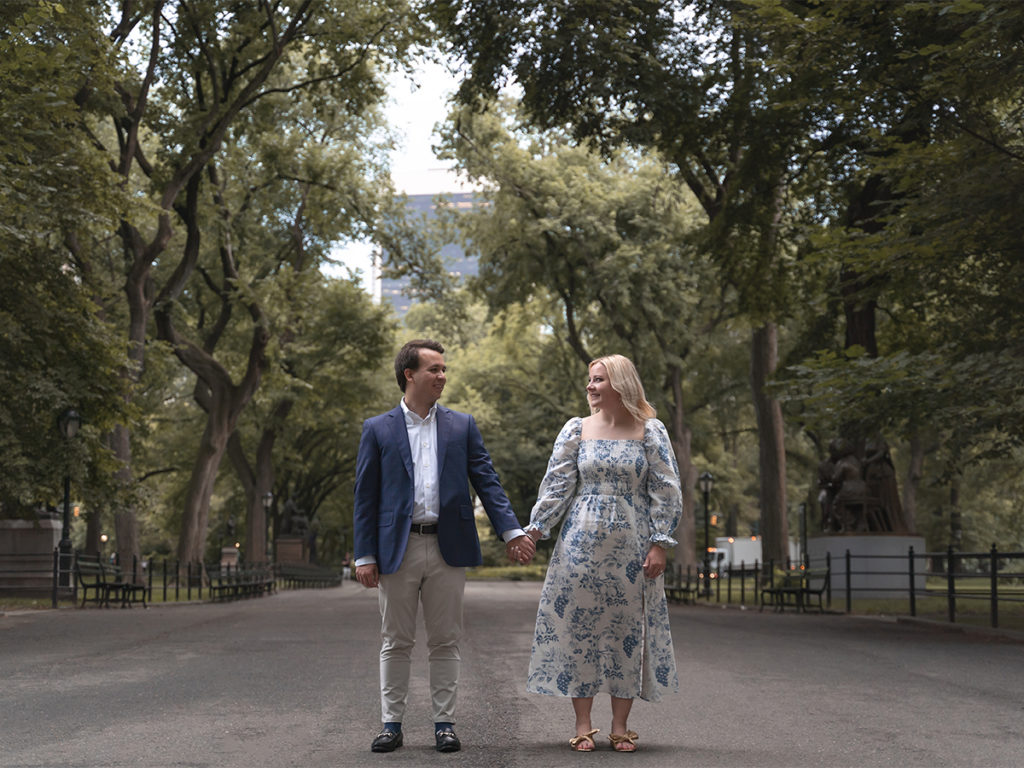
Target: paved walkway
290,680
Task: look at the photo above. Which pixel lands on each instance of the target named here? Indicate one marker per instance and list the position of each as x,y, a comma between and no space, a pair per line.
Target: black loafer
387,741
447,741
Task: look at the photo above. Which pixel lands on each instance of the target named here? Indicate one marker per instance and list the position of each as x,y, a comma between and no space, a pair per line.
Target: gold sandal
629,737
577,742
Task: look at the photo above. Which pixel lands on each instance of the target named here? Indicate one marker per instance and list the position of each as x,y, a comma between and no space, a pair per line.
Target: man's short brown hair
409,357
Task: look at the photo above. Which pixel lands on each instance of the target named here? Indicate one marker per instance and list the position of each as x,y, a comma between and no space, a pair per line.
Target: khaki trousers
426,578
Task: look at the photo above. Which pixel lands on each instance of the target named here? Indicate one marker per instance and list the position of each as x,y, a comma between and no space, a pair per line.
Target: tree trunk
915,470
258,481
126,527
859,307
196,512
680,434
223,407
764,359
138,293
956,528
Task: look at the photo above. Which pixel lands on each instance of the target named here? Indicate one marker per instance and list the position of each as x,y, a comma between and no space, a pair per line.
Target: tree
57,351
320,390
927,245
606,240
686,80
195,78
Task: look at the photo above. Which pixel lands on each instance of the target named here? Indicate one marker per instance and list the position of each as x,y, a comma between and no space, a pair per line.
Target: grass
972,604
10,603
507,573
971,610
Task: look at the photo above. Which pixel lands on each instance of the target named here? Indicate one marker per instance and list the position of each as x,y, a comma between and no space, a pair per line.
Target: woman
602,624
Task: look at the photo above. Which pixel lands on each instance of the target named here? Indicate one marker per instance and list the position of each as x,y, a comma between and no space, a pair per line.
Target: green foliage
532,572
56,198
689,164
938,102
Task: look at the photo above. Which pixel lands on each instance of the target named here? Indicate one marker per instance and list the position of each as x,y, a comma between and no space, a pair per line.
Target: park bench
91,581
797,589
104,580
304,575
235,582
679,588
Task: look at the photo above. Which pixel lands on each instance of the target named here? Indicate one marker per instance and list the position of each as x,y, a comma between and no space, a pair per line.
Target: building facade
395,291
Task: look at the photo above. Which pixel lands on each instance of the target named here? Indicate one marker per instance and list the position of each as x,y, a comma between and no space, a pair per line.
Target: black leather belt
424,527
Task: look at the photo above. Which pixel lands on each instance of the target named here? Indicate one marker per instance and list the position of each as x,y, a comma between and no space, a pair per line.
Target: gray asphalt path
291,680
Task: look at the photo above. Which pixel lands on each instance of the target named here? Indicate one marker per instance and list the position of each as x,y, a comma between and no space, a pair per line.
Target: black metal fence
165,580
953,578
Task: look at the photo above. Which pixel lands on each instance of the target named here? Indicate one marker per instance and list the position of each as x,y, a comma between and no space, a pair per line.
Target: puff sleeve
559,484
664,492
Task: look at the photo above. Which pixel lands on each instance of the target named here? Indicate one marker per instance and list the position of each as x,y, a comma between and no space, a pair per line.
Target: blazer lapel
400,434
444,430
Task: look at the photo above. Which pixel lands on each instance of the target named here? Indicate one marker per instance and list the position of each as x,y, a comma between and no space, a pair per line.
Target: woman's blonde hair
625,380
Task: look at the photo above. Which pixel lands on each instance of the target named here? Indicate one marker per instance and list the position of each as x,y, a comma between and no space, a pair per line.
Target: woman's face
599,389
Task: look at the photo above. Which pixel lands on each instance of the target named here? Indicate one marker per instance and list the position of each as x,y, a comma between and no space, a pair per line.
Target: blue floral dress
602,626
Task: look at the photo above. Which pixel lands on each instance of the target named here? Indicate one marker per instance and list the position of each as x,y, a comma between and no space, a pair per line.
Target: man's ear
408,374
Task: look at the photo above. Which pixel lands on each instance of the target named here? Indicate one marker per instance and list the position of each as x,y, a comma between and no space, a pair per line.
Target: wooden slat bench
797,589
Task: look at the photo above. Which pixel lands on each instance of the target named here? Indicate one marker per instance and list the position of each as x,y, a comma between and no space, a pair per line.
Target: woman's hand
520,549
654,563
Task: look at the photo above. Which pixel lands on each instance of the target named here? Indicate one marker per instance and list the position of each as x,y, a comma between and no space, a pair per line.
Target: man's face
427,382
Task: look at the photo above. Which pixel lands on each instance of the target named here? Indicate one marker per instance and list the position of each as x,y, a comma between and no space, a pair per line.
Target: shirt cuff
514,533
368,560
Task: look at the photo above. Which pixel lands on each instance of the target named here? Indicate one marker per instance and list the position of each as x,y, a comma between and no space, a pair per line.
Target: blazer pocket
386,519
466,511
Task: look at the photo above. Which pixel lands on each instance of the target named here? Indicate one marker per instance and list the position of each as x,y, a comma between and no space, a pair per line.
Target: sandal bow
579,743
629,737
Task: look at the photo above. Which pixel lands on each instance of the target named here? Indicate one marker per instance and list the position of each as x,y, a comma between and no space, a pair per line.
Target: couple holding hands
612,481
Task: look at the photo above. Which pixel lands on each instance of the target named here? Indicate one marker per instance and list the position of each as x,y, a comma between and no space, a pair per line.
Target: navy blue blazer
384,490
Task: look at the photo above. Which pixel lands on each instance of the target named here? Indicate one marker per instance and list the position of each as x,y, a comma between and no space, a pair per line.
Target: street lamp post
68,423
268,501
803,535
706,482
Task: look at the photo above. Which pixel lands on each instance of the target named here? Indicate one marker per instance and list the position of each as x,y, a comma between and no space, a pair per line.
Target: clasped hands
521,549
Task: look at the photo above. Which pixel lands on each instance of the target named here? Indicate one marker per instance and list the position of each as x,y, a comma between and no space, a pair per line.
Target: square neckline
641,439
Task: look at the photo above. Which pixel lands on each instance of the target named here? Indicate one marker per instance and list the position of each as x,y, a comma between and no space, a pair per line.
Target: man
415,533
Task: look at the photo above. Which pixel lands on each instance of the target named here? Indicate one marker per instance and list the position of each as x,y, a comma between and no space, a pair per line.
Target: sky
416,108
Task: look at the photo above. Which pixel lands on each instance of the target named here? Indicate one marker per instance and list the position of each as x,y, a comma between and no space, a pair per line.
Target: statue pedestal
26,553
229,557
879,566
290,549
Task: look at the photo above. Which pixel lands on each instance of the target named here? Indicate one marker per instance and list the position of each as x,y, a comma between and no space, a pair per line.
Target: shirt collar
413,418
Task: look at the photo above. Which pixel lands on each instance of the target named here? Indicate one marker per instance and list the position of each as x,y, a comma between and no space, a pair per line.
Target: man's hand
520,549
368,575
654,563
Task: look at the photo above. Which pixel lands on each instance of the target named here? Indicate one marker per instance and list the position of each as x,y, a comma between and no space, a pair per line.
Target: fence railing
165,580
169,580
994,578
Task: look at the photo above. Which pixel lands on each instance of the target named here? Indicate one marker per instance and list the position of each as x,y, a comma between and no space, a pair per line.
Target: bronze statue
295,523
856,495
880,476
